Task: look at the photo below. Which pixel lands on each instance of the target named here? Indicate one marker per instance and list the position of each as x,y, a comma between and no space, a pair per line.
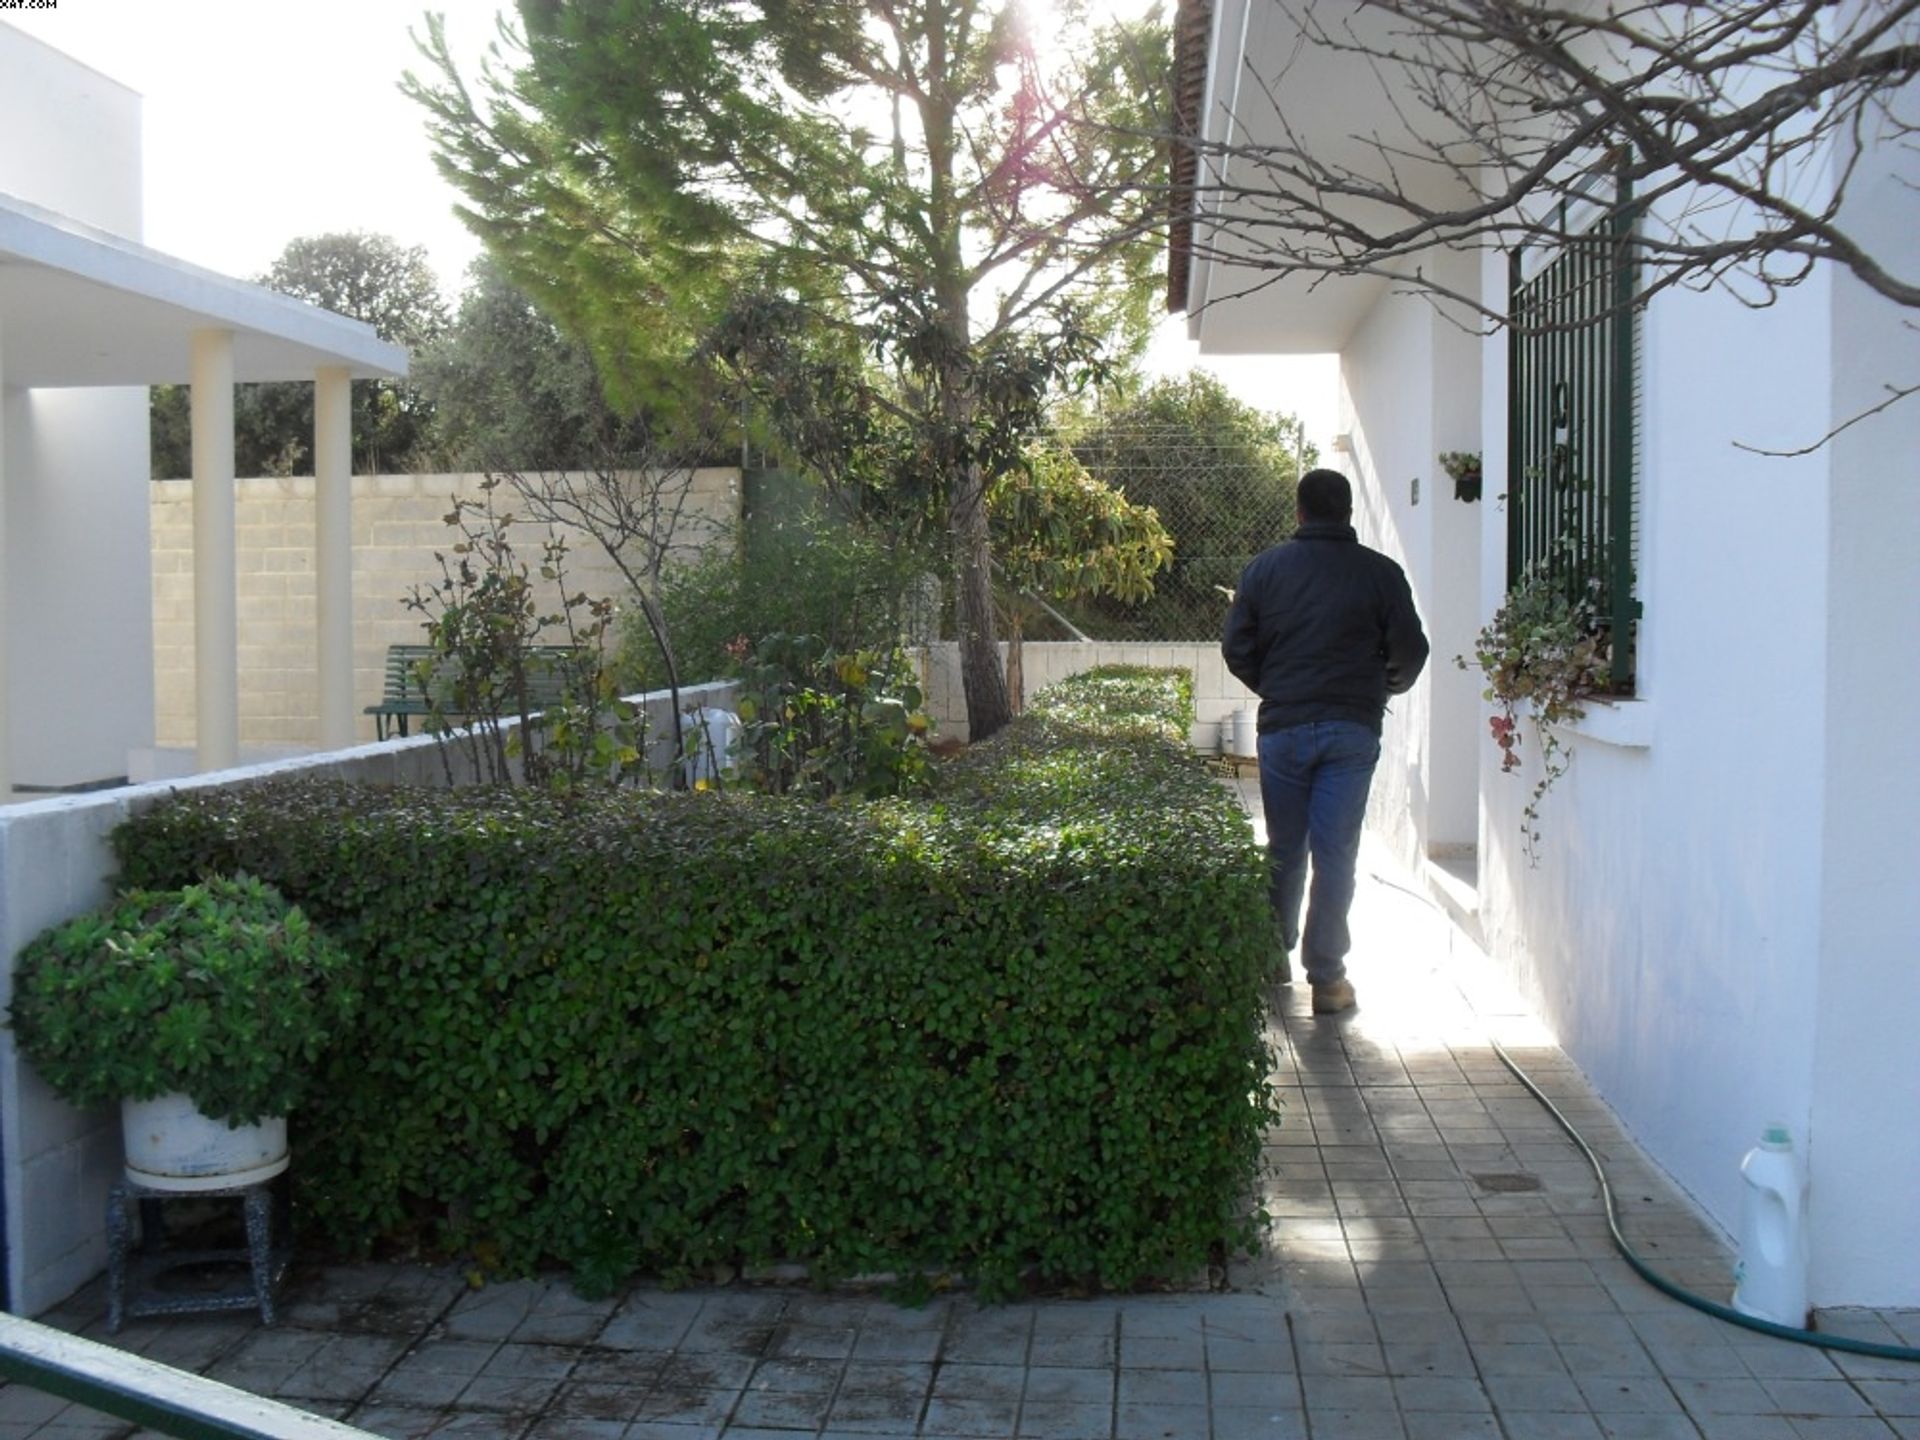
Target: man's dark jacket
1322,628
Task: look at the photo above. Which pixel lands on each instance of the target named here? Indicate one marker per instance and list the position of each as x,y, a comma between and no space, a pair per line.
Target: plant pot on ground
216,999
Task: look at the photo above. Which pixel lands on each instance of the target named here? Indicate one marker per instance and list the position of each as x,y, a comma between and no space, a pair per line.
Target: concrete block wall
398,526
1216,694
55,863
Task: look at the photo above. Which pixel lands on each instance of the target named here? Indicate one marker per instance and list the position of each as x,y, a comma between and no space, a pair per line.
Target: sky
267,120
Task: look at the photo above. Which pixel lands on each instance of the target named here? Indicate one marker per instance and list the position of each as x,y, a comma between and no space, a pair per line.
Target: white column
6,691
216,626
333,551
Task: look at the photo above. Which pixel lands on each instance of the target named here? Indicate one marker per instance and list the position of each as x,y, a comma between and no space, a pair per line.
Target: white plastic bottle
1770,1282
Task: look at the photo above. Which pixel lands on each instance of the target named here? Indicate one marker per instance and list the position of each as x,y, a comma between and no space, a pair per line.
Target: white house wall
69,136
1409,386
1671,932
74,473
78,549
1866,1059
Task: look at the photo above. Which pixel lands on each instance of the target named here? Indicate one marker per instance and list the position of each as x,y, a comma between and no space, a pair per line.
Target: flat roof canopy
80,307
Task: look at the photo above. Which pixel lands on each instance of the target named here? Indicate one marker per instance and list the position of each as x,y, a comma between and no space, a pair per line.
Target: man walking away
1323,630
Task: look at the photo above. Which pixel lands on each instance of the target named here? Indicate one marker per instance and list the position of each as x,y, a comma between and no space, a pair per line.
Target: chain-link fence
1223,501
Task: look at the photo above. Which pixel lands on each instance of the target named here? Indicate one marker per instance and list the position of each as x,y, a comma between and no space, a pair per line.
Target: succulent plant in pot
219,994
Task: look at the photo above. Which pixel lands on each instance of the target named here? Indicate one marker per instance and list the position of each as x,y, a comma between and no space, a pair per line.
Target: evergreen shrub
1013,1029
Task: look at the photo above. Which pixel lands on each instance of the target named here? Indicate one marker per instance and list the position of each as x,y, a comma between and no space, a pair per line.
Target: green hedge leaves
1012,1029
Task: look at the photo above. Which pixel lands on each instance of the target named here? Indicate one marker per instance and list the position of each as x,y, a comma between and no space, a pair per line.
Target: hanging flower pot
1464,467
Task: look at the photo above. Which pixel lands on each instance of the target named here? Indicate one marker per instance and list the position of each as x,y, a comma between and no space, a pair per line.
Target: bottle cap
1776,1137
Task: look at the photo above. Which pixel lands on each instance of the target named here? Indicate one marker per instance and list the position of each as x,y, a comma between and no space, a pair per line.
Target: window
1572,378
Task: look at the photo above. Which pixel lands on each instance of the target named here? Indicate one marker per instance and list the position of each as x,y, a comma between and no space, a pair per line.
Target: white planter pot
172,1146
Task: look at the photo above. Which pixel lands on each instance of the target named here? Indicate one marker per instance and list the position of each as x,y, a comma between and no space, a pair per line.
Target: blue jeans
1314,780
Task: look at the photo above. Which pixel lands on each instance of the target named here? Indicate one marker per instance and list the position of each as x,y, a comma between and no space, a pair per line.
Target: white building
1724,926
89,318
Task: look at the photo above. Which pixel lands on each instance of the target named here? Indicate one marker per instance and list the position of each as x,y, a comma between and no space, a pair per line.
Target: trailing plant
1014,1030
1543,653
221,990
492,634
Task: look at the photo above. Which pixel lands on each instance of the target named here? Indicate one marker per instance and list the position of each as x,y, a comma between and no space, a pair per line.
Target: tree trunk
981,677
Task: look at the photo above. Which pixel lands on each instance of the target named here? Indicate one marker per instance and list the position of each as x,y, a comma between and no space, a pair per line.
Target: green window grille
1572,378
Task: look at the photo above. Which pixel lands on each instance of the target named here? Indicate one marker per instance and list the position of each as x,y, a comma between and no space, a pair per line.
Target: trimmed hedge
1013,1029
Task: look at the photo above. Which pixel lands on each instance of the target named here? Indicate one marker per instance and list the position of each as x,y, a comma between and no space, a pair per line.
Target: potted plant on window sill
203,1011
1464,467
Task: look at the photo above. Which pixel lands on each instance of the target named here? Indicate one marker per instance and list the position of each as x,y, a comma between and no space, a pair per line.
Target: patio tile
979,1382
1162,1387
596,1400
1254,1392
1449,1394
619,1367
1161,1352
871,1413
1159,1422
781,1410
508,1393
1815,1398
1723,1397
428,1388
687,1407
1065,1420
1549,1425
397,1422
1535,1393
1341,1393
993,1419
1627,1394
1648,1427
1071,1350
573,1427
1079,1386
649,1322
1357,1425
1439,1425
1232,1353
1229,1423
885,1378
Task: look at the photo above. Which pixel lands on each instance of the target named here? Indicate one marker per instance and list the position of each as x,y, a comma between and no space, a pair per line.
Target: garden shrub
1013,1028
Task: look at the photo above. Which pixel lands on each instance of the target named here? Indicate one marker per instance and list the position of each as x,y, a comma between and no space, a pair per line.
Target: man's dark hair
1325,495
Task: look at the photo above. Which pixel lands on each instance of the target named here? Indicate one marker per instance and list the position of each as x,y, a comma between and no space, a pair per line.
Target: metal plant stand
133,1276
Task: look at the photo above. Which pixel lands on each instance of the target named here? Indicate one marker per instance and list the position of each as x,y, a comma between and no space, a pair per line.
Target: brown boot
1333,997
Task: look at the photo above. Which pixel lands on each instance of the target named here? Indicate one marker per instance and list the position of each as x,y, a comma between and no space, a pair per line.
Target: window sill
1626,724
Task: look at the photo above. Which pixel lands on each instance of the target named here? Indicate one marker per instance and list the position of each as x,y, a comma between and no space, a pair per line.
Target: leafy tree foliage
511,391
371,278
1219,474
925,175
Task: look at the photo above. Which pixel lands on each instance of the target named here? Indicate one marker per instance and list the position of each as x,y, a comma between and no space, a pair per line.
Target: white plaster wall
1670,935
1865,1162
69,136
74,473
1387,389
78,588
54,864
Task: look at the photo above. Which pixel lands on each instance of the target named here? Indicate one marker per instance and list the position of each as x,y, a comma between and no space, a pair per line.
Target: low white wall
55,863
1216,694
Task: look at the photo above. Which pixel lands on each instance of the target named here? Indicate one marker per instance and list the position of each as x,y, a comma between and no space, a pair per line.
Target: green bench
419,682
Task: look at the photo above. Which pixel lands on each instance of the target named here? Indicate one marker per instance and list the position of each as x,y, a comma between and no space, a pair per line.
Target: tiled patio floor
1438,1268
